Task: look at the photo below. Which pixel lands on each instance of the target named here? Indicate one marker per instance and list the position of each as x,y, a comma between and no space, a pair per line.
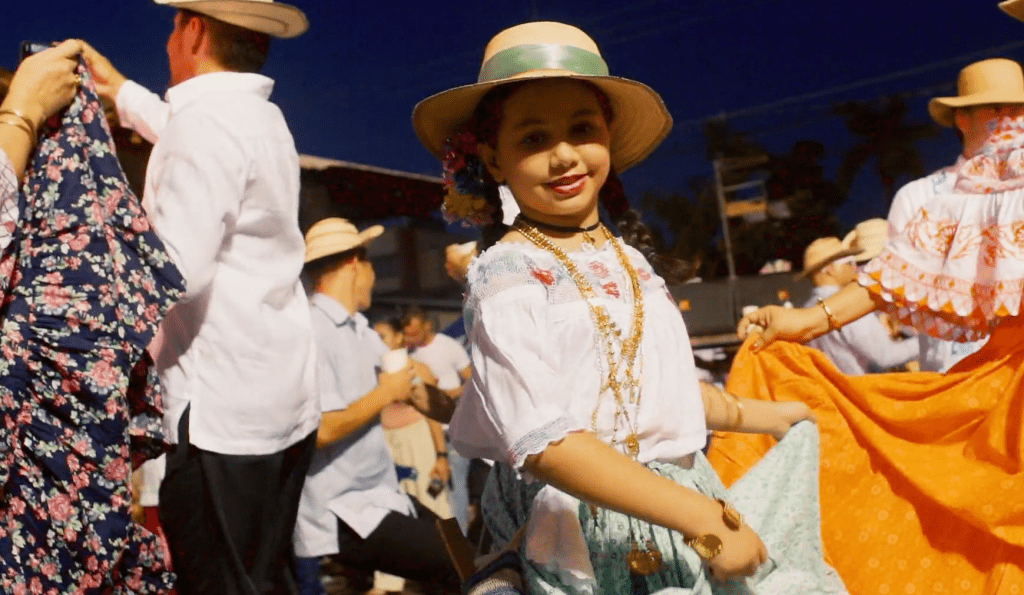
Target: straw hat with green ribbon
547,50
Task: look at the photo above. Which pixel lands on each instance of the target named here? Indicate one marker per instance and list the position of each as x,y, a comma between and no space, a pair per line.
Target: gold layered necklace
607,337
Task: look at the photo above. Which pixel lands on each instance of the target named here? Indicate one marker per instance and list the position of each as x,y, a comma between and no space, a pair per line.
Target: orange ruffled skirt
922,475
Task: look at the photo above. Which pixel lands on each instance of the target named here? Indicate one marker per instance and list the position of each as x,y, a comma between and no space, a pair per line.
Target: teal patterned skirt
778,498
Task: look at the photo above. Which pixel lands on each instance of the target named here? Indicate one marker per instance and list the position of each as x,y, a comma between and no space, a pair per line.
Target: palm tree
885,137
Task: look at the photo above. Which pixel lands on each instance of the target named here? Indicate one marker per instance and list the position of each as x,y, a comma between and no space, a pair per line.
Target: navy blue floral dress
85,282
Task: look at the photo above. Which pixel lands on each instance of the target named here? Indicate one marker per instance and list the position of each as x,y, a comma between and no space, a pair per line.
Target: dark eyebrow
585,112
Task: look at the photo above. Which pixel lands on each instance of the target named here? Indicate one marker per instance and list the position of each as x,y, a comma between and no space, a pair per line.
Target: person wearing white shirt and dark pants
352,508
238,355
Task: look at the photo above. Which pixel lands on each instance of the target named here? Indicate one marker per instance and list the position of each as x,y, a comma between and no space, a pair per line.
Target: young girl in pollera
583,388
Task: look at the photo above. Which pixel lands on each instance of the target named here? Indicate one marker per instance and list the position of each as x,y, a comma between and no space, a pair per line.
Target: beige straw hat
987,82
334,234
543,50
263,16
868,238
822,252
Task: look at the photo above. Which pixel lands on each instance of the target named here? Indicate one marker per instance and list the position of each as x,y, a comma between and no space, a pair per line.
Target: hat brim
273,18
820,265
341,244
941,109
1014,8
640,122
865,254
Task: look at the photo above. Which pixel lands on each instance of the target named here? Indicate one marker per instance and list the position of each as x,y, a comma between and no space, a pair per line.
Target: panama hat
822,252
263,16
868,238
548,50
987,82
334,235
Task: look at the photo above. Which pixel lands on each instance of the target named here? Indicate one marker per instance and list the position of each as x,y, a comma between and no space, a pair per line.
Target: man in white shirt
864,345
237,361
352,508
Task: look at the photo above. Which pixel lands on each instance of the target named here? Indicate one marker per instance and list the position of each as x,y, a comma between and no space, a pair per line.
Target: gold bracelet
24,118
20,126
833,324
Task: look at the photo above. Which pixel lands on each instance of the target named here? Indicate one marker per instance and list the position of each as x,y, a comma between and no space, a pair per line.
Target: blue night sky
347,86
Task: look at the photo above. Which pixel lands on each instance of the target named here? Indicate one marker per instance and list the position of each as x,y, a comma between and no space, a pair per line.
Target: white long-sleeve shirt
222,191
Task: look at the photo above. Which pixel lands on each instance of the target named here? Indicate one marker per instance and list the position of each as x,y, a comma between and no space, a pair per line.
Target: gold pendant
643,562
632,445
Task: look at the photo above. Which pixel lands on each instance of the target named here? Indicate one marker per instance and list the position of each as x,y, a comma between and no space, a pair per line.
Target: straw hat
822,252
544,50
990,81
263,16
334,234
868,238
1014,8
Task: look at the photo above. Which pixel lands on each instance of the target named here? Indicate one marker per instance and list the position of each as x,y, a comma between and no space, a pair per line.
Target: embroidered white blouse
536,375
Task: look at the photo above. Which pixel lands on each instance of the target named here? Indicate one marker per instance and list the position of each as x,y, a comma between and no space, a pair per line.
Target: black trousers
229,518
403,546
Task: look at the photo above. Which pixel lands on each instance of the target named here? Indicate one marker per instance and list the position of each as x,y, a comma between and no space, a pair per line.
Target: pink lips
568,185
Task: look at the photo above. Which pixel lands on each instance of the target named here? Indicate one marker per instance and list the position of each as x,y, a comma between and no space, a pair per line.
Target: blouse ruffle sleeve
519,398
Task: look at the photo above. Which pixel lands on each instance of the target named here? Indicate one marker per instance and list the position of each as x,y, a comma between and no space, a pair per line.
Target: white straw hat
868,238
334,235
263,16
987,82
545,50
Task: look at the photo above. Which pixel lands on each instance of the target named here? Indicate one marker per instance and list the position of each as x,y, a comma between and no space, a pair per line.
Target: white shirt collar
239,82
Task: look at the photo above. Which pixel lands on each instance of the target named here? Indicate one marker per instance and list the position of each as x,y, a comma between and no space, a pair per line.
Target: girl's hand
790,412
742,553
789,324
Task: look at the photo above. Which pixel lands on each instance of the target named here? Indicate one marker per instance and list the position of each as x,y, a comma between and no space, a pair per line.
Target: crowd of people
570,426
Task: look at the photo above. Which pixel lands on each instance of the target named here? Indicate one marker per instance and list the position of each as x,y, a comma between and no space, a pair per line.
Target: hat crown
822,250
990,75
540,33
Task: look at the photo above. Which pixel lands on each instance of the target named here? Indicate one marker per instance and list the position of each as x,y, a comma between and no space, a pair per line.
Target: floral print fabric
85,282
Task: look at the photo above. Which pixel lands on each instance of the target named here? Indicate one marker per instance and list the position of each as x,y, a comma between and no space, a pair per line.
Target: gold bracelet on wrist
20,115
833,324
20,126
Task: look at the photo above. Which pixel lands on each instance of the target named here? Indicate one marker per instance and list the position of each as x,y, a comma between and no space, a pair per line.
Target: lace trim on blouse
537,440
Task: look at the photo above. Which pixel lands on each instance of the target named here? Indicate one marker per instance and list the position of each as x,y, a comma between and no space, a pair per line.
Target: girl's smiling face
552,150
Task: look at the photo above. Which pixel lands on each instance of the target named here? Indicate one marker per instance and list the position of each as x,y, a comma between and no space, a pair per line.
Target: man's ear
197,32
961,119
487,155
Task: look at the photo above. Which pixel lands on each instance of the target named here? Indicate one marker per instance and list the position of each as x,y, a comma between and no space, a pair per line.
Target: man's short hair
235,48
315,269
411,312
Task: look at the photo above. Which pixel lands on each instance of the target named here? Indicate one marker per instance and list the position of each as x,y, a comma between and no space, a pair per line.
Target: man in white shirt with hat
238,356
866,344
352,508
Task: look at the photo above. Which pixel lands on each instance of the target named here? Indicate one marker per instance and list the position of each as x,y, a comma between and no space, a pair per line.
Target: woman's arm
803,324
585,467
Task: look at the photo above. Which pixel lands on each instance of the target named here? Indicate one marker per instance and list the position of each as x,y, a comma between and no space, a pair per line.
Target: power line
747,111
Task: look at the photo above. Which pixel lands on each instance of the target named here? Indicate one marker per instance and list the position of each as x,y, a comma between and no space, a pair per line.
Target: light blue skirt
778,498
